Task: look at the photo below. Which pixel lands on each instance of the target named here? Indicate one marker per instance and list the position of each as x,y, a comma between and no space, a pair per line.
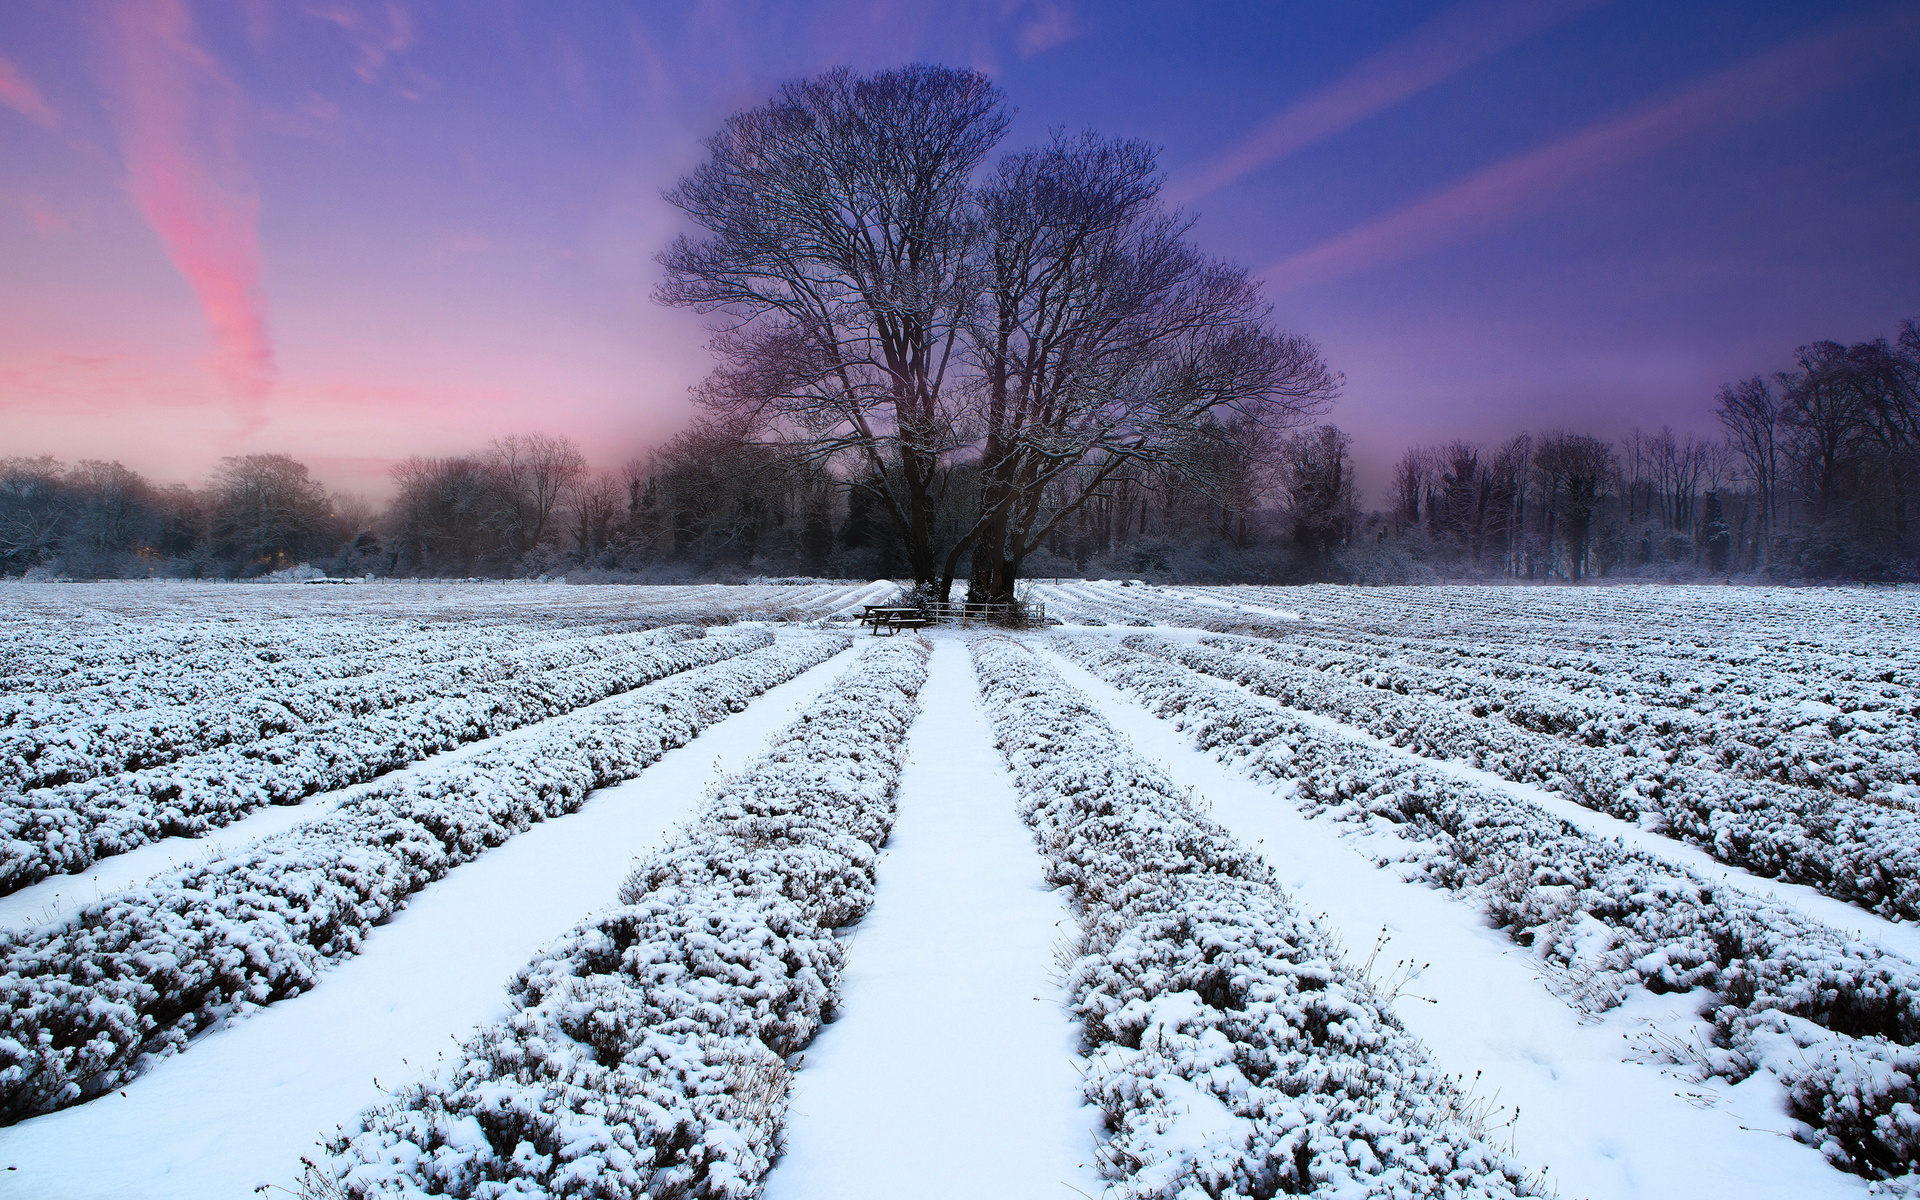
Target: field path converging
248,1101
1608,1128
951,1068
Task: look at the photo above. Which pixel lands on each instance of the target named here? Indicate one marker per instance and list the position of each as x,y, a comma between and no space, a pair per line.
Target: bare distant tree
1751,415
110,511
534,472
595,502
33,509
1321,500
1825,420
441,513
1575,469
1410,477
837,269
266,510
1107,343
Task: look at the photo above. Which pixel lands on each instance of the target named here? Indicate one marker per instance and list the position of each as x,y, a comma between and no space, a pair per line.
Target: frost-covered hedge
53,830
1854,850
85,1004
646,1054
1736,680
1805,745
36,754
54,672
1834,1018
1232,1050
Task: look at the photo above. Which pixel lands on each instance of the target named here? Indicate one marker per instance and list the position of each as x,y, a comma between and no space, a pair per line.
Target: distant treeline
1814,479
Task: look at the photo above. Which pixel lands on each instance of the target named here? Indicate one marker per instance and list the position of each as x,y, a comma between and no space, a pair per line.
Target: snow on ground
951,1068
1603,1126
241,1108
59,896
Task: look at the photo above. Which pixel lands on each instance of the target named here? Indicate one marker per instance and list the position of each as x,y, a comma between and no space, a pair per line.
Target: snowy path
1895,937
1609,1129
240,1108
60,896
950,1071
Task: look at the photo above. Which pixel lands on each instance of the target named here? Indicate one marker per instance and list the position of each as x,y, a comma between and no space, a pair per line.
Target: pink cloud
179,120
1767,83
1052,25
1449,43
63,383
18,93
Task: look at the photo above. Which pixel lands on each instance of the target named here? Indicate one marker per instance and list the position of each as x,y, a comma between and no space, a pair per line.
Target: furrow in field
951,1032
253,1098
1592,1122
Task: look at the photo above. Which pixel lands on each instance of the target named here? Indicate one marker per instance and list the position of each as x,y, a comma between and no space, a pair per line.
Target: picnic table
891,618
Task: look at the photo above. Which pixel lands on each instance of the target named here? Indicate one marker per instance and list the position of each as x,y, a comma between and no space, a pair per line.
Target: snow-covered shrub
1606,918
1855,850
79,745
646,1053
85,1004
1232,1050
1814,745
51,830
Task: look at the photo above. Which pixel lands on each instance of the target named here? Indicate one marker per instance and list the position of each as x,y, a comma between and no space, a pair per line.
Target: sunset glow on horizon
358,230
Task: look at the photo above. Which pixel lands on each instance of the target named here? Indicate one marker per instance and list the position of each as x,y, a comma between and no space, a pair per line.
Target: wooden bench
882,616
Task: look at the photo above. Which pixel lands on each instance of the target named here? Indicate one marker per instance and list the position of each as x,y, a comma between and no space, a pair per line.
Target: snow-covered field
488,890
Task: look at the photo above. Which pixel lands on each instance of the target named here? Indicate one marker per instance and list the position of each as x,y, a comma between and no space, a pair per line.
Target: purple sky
355,230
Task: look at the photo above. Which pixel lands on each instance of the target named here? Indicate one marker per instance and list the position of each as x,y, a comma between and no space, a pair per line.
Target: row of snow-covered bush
53,830
48,672
1106,603
1836,1020
1852,849
112,740
646,1054
1798,642
1739,685
1232,1050
87,1002
1852,754
151,677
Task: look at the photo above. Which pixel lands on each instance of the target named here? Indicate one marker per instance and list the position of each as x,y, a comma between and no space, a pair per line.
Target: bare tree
837,270
1575,469
265,510
441,514
1321,501
1751,415
1826,422
1410,477
110,509
534,472
1106,344
33,509
595,502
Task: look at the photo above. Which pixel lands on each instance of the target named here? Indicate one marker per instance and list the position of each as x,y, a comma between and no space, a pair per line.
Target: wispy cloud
1052,24
378,32
179,119
1768,83
18,93
1444,46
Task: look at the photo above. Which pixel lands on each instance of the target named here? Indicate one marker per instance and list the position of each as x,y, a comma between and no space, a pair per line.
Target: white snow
951,1068
1604,1127
242,1107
